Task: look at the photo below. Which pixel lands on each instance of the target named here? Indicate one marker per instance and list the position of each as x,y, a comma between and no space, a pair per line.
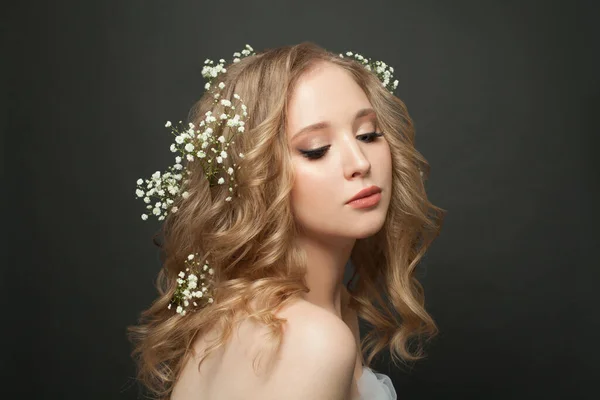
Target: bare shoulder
315,360
317,356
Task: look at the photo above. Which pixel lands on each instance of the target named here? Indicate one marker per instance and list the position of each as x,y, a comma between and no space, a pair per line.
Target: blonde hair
250,243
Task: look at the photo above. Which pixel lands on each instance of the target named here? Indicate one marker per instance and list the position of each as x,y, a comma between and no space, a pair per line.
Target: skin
329,97
326,94
322,187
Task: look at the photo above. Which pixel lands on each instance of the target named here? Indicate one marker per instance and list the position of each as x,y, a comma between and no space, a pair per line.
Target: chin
367,230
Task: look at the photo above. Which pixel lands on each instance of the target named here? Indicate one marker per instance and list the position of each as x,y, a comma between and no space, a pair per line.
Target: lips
366,192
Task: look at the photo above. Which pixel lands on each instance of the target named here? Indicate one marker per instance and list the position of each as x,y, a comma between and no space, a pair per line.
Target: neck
326,262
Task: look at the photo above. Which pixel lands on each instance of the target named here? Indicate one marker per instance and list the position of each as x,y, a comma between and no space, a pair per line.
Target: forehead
327,92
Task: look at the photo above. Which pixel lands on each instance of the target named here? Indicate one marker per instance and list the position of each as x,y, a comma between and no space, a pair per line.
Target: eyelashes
318,153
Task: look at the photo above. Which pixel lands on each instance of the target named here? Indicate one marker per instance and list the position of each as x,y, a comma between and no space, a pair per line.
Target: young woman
320,131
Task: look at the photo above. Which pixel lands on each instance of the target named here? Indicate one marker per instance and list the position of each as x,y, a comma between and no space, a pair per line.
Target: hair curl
250,240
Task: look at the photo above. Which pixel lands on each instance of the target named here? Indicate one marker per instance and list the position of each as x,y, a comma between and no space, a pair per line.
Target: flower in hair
162,191
383,71
194,286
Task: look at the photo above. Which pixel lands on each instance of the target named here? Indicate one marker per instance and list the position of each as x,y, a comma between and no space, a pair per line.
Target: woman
319,130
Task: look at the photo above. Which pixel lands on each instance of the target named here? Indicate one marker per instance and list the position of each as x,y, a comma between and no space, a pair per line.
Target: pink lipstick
367,197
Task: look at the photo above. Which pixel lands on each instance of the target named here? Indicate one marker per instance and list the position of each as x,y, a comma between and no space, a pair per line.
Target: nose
355,161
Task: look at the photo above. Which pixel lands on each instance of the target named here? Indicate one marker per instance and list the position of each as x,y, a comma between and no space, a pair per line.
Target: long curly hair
250,241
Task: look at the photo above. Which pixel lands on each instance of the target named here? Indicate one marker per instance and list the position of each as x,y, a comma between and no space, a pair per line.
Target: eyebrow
323,125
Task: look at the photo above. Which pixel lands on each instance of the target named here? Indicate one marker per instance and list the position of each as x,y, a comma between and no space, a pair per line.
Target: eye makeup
320,152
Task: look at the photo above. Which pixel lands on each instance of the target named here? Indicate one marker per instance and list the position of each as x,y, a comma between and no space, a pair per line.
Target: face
337,150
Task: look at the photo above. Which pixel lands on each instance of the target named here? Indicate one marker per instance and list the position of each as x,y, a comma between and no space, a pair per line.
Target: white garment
375,386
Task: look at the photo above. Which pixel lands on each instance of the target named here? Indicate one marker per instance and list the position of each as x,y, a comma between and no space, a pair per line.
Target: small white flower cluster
383,71
211,70
194,288
196,143
164,188
213,148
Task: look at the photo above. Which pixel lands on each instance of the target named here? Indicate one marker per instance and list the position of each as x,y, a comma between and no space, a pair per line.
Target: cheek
312,186
386,161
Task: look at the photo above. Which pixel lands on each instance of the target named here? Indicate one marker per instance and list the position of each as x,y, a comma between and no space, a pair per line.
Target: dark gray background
505,98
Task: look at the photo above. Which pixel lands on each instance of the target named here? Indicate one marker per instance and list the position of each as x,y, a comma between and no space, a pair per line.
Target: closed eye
318,153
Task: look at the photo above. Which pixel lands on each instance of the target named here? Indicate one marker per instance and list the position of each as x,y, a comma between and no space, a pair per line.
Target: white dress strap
375,386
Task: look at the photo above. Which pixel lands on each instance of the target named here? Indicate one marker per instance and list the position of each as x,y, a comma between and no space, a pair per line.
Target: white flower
228,198
179,139
207,86
223,116
147,200
179,309
219,160
230,170
168,124
174,209
139,193
144,217
224,154
221,85
226,103
185,195
140,181
221,181
189,147
241,129
190,157
221,139
181,274
173,148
